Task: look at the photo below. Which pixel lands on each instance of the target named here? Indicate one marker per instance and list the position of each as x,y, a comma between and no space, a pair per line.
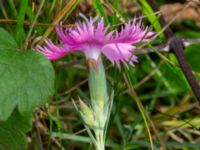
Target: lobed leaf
11,131
26,79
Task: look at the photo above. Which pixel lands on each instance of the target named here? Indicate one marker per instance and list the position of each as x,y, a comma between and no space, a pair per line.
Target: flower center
92,52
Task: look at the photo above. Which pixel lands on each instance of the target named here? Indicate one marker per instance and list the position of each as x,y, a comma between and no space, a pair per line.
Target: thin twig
36,24
68,64
38,135
75,87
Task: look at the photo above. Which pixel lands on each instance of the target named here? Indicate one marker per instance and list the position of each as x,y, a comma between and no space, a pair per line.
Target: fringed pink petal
132,33
86,33
117,53
51,51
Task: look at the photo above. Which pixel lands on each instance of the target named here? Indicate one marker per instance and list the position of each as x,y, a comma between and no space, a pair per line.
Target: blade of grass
144,114
170,145
3,10
160,75
58,122
141,109
173,145
139,145
149,95
152,19
32,25
98,5
19,31
155,96
13,8
121,130
117,13
30,14
116,7
83,139
70,11
52,6
186,123
60,4
72,137
50,126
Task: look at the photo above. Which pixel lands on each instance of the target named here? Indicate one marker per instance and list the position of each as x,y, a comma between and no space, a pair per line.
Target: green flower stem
99,100
100,139
97,82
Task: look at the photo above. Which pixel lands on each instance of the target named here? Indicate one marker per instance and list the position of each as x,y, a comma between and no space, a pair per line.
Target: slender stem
99,100
100,139
97,83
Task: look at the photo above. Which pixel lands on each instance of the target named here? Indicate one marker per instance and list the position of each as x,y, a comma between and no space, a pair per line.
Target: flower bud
87,114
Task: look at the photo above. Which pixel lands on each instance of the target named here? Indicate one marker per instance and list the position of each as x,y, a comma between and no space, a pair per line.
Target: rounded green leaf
6,40
11,131
11,139
26,78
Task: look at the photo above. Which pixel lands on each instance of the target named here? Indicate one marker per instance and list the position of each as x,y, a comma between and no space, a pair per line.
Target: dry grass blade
143,112
141,108
66,9
35,24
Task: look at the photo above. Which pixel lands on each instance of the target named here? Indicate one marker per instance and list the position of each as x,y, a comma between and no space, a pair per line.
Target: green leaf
11,139
192,55
6,40
26,79
11,131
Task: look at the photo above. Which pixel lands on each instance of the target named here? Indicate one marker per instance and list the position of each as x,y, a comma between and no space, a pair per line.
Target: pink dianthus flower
92,38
